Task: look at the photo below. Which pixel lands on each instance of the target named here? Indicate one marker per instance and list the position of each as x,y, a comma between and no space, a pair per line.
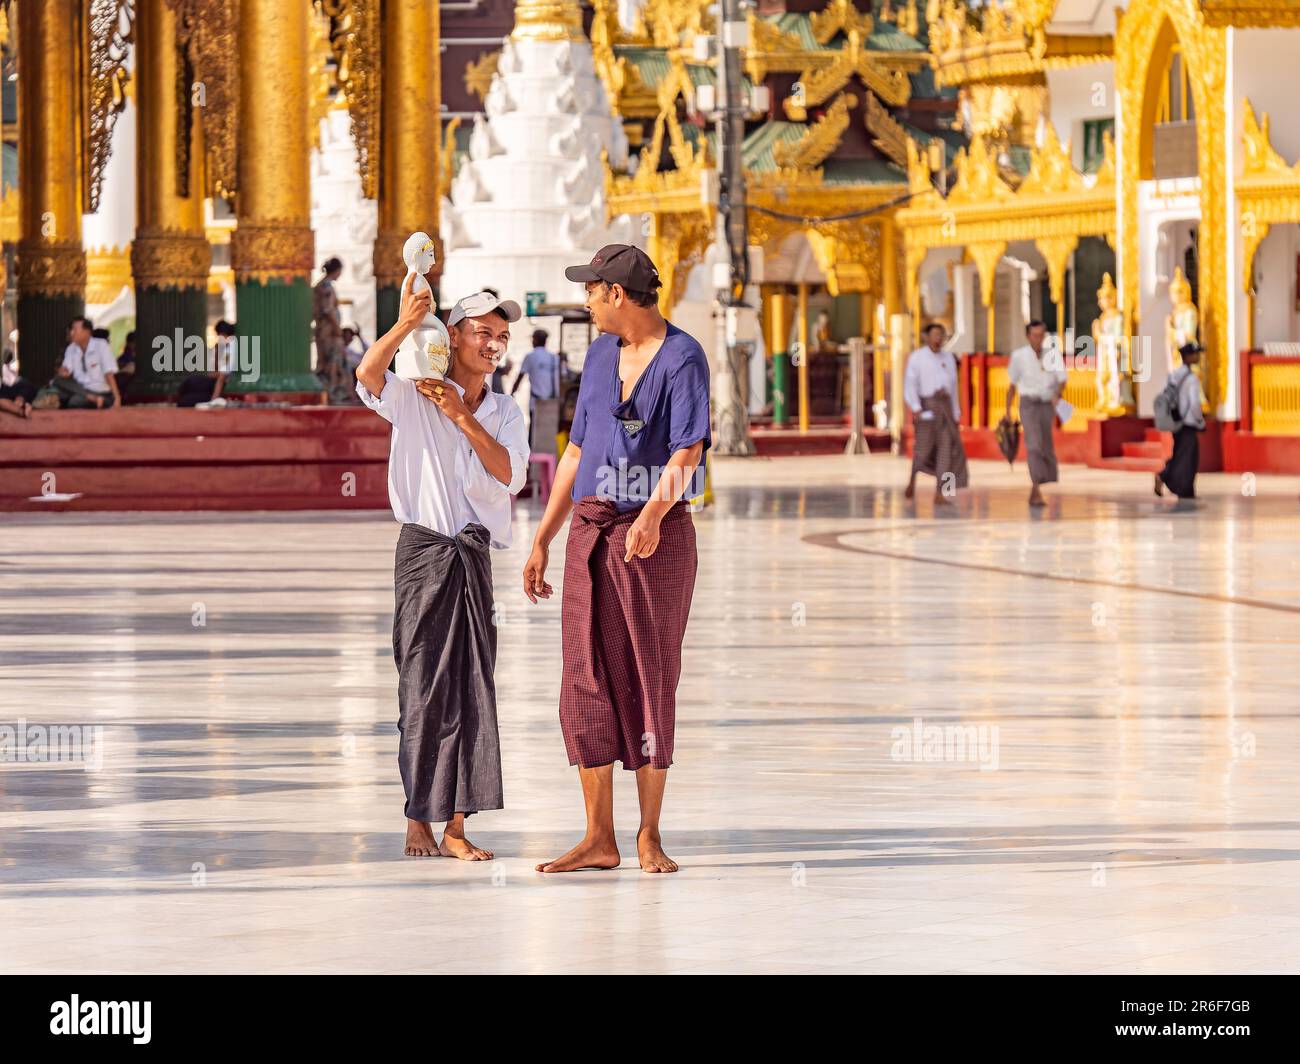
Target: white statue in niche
426,352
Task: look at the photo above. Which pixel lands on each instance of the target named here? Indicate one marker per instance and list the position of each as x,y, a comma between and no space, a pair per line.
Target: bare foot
1160,488
1036,498
911,489
940,499
459,846
650,852
589,853
419,840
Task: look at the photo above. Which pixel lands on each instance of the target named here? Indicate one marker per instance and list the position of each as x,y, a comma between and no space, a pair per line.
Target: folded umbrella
1008,437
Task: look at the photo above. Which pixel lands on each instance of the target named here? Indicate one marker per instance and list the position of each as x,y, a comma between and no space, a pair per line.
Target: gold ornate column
410,140
51,262
891,270
986,255
273,249
804,356
170,256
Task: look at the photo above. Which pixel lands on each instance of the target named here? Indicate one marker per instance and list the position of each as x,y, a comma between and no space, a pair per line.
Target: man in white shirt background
930,391
458,452
542,368
1038,375
87,378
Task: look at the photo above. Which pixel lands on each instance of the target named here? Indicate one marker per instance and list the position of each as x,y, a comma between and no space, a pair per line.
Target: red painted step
1129,465
1145,449
326,480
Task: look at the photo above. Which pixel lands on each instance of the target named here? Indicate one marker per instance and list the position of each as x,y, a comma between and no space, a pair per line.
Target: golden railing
1273,398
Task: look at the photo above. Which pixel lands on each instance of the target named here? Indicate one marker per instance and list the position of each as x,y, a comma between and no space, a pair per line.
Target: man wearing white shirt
458,452
930,391
88,376
1039,377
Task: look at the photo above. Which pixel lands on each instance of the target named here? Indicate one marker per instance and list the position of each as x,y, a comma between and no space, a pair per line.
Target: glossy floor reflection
984,741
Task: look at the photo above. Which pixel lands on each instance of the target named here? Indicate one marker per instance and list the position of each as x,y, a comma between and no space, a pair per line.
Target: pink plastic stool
545,474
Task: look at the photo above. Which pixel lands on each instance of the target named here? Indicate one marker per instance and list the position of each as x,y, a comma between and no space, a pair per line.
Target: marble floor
982,741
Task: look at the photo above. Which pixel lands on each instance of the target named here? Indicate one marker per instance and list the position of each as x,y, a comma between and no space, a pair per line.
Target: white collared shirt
929,372
435,478
1036,378
90,367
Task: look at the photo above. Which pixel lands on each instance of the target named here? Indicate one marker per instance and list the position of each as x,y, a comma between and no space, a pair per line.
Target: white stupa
529,199
345,222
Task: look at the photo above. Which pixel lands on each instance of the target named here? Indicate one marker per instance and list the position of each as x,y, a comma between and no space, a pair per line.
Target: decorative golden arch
1144,35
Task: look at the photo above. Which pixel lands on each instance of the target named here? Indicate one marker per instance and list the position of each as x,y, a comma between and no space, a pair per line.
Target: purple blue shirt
626,444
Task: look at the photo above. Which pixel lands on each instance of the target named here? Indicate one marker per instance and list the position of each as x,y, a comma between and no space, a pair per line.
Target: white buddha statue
1108,343
1182,326
426,352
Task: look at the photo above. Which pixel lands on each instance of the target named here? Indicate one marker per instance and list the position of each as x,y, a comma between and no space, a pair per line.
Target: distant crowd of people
90,376
1037,375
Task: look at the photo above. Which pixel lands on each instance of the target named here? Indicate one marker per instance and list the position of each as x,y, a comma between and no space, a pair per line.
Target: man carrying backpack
1178,410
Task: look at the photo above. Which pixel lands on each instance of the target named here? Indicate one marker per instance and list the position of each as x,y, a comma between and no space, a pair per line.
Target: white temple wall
345,223
1264,72
1076,95
1276,317
528,200
1167,211
1262,66
112,227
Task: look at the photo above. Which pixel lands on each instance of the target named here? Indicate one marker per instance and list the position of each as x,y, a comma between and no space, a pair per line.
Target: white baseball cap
481,303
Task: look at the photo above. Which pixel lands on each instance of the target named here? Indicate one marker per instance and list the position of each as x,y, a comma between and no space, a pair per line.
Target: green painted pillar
274,325
170,256
273,249
43,332
160,313
780,344
388,298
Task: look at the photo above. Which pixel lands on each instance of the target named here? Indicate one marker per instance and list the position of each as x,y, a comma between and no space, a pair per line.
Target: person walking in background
1039,378
331,363
930,391
1179,473
542,368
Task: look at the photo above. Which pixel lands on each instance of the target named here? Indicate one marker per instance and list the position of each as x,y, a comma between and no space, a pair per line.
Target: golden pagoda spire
548,20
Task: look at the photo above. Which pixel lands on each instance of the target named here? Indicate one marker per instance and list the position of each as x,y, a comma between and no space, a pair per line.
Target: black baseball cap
620,264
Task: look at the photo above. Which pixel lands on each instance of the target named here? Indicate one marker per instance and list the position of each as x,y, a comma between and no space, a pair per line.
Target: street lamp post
731,276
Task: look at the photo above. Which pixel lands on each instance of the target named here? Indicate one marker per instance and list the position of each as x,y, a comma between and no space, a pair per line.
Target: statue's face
1105,300
418,253
424,263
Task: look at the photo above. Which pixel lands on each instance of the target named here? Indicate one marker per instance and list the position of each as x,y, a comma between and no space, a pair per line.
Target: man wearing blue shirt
636,447
542,368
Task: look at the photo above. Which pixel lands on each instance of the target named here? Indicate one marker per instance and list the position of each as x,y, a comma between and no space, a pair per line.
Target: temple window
1175,121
